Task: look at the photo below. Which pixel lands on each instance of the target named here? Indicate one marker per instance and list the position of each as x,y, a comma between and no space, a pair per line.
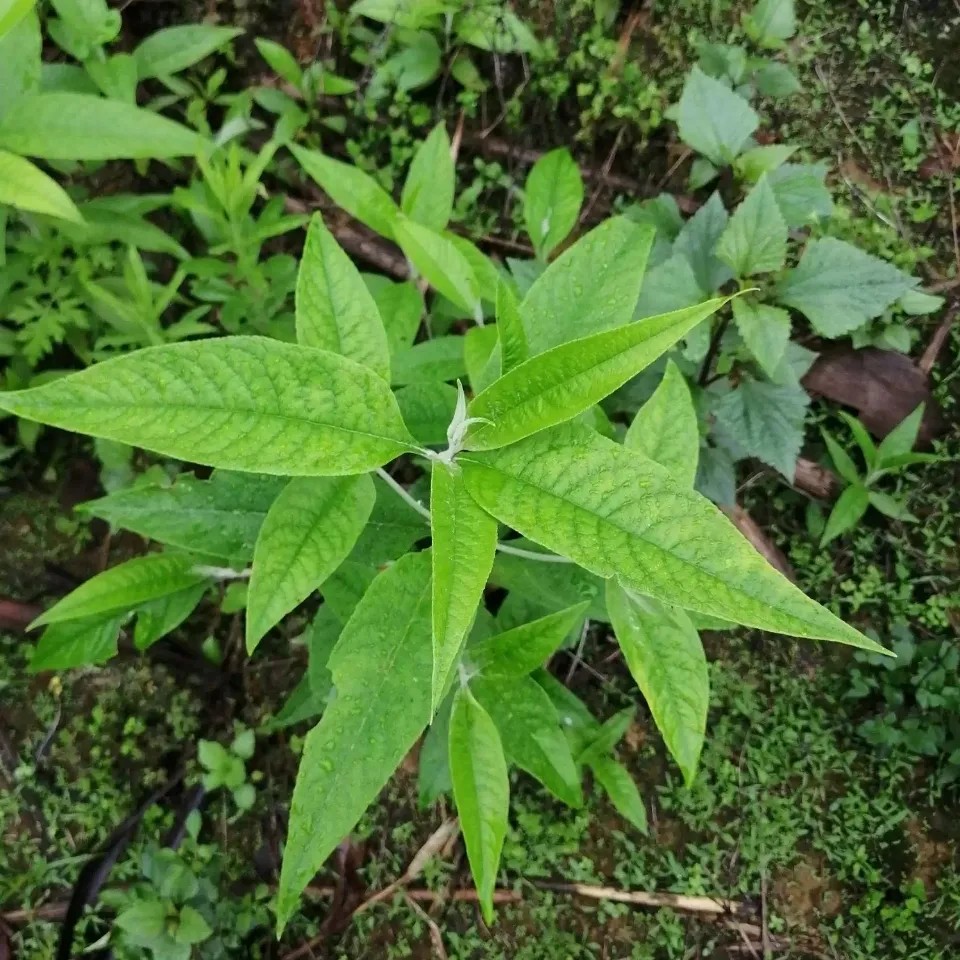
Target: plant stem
532,554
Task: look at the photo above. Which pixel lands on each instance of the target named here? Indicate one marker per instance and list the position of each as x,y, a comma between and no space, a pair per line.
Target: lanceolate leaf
514,348
622,791
308,533
125,586
618,514
77,126
335,311
481,789
349,187
846,513
157,618
433,776
219,517
481,355
591,287
27,187
665,428
530,732
431,181
381,670
77,643
175,48
464,544
563,382
664,653
243,403
551,200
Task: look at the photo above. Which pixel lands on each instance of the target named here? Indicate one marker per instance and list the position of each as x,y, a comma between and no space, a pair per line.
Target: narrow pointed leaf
481,789
309,531
552,197
563,382
851,505
841,459
27,187
591,287
174,49
349,187
617,513
665,428
665,656
433,774
157,618
514,348
127,585
219,517
610,733
431,182
622,791
380,668
77,643
481,355
243,403
901,439
517,652
464,544
334,309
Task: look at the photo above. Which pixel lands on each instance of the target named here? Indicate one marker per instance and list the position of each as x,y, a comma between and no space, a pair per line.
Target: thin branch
401,492
710,906
532,554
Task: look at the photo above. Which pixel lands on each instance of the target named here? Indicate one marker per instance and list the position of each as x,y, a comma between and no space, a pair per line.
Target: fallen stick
819,482
709,906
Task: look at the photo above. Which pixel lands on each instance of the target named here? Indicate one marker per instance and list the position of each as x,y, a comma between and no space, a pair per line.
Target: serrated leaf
439,261
901,439
529,729
552,197
464,544
841,459
765,331
851,505
671,285
334,309
495,28
380,668
755,240
437,360
765,420
591,287
124,586
174,49
219,517
157,618
665,656
518,652
618,514
433,771
76,643
622,791
481,790
838,287
713,120
753,164
431,182
349,187
771,22
242,403
310,530
77,126
27,187
566,380
801,192
665,428
697,241
514,348
427,410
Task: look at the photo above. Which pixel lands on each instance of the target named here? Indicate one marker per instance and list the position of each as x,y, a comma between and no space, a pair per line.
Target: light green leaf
437,360
77,126
622,791
618,514
481,355
334,309
665,656
577,722
802,194
563,382
517,652
27,187
765,420
864,441
440,263
310,530
280,60
429,188
755,240
433,773
380,668
495,28
157,618
174,49
591,287
776,80
400,306
850,507
713,120
410,14
841,459
529,729
671,285
346,586
21,67
245,403
552,198
890,507
143,921
219,517
665,428
697,241
771,23
765,331
901,439
839,287
191,927
514,348
77,643
427,410
608,735
393,528
349,187
481,790
464,543
917,303
127,585
12,12
753,164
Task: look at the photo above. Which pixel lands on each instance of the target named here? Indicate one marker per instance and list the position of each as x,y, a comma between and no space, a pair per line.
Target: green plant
891,457
226,767
522,453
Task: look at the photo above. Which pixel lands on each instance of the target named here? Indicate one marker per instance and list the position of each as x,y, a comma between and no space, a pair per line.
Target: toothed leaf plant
355,463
